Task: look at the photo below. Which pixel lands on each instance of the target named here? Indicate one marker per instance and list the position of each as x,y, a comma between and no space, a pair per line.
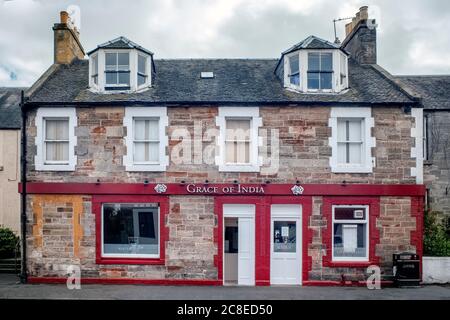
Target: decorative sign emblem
160,188
297,190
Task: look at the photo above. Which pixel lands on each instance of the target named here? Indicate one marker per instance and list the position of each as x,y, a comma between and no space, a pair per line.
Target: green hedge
436,242
8,243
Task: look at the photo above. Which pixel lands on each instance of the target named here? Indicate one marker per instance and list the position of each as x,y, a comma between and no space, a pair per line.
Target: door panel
286,249
246,255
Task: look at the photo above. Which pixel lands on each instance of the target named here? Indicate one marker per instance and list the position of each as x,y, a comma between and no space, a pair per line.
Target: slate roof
251,81
434,90
10,117
312,42
120,43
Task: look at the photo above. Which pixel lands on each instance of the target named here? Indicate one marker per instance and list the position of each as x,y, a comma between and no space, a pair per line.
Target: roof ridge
423,76
216,59
131,45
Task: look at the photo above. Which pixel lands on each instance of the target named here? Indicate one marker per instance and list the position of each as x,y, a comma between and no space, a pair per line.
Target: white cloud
411,38
424,55
4,76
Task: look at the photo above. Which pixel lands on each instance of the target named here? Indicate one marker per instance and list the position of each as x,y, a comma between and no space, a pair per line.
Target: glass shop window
284,236
350,234
130,230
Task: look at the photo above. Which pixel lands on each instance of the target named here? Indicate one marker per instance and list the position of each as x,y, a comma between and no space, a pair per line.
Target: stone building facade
325,181
434,91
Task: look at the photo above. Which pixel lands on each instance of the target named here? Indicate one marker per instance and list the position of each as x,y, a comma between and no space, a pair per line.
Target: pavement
10,288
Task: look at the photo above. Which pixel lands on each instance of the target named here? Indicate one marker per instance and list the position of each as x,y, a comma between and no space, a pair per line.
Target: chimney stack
67,45
361,38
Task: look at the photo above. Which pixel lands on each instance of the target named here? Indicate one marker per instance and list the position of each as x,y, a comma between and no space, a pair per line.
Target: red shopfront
278,233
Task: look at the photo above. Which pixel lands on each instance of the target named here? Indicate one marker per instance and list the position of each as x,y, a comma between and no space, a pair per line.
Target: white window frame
342,86
91,71
417,152
251,113
333,72
116,52
368,162
44,130
133,55
146,113
132,256
147,70
366,221
43,114
287,71
425,138
303,61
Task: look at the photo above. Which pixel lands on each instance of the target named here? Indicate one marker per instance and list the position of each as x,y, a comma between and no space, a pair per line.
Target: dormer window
320,71
294,66
117,70
120,66
343,70
314,66
142,70
94,70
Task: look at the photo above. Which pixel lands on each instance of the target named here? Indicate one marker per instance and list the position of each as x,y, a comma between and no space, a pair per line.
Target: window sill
313,91
59,168
239,168
143,88
116,89
338,169
130,261
146,168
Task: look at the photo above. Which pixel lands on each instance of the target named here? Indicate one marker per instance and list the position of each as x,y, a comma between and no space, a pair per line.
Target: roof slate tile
251,81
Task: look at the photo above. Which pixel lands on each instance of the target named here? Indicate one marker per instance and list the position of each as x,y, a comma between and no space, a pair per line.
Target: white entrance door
246,240
286,245
246,251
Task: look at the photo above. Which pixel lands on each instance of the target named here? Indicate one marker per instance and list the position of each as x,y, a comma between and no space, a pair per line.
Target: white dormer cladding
339,74
315,69
120,68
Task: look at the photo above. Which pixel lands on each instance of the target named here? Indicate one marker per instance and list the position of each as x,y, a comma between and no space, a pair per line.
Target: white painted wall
436,270
9,179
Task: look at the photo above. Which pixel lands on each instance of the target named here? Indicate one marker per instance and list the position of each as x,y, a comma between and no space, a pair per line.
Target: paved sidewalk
11,289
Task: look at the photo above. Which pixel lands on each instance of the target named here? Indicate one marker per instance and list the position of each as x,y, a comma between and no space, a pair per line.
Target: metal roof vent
207,75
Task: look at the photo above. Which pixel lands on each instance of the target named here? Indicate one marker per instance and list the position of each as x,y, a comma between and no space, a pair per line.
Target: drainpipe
23,215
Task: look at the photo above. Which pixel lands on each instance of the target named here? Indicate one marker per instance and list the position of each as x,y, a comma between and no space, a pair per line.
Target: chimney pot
64,17
364,13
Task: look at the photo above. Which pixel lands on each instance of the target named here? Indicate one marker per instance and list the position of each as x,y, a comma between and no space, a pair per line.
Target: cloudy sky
412,39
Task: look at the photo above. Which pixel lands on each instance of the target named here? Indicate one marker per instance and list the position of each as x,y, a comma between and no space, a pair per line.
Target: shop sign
229,189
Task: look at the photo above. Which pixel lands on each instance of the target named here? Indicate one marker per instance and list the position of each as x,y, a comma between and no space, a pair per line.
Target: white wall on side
9,178
436,270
